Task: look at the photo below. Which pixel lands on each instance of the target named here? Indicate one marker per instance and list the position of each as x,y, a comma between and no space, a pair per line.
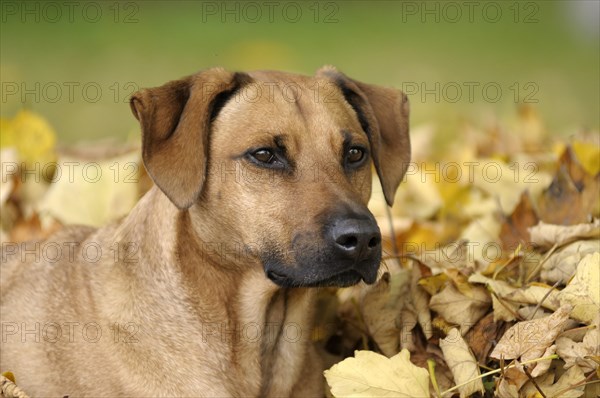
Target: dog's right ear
175,119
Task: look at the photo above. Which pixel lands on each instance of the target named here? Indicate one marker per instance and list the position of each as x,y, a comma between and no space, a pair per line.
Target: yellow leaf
32,135
588,155
10,376
93,192
7,136
433,284
374,375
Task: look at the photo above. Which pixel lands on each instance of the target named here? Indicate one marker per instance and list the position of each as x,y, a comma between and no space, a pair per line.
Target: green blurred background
76,63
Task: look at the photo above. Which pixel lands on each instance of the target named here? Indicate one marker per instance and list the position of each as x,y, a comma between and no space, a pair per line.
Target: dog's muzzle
348,251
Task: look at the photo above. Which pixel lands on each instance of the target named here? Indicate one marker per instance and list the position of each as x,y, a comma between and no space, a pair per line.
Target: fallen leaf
433,284
32,229
462,363
562,264
459,309
482,235
419,193
536,294
372,374
542,367
564,203
380,306
504,182
513,232
530,312
588,155
7,183
574,353
511,383
583,292
407,323
93,192
529,339
32,136
504,310
564,385
454,255
548,235
483,336
420,300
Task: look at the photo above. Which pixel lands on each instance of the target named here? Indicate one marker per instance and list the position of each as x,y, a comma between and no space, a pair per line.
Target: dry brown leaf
483,336
454,255
504,310
572,197
380,306
563,386
561,265
511,383
574,353
462,363
513,231
535,294
420,300
530,312
583,292
529,339
32,229
548,235
459,309
461,281
406,323
542,367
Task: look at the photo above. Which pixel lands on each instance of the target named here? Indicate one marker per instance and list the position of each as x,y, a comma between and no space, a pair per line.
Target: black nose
356,239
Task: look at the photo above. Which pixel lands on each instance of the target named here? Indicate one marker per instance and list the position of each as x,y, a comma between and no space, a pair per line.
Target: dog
261,183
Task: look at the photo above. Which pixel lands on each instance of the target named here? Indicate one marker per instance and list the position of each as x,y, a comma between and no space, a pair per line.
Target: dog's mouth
342,279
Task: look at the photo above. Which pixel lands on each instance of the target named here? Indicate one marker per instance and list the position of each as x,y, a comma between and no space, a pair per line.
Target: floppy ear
175,119
383,114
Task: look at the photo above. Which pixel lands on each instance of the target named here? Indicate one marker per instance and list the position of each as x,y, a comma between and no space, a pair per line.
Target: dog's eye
264,156
354,155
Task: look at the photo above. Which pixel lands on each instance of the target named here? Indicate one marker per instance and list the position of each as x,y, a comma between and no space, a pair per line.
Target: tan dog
205,288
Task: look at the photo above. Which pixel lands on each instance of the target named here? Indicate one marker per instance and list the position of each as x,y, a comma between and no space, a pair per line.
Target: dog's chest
281,352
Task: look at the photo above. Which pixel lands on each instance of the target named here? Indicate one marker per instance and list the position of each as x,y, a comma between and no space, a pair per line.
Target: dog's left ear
383,114
176,120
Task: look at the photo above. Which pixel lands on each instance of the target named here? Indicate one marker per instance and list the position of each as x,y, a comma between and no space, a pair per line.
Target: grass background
552,44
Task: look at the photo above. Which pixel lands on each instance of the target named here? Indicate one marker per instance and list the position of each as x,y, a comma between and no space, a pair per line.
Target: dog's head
281,164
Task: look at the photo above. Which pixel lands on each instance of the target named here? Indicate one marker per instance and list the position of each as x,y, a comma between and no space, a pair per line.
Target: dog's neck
238,308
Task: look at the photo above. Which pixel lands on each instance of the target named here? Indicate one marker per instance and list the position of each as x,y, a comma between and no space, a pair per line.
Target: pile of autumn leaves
493,288
491,280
